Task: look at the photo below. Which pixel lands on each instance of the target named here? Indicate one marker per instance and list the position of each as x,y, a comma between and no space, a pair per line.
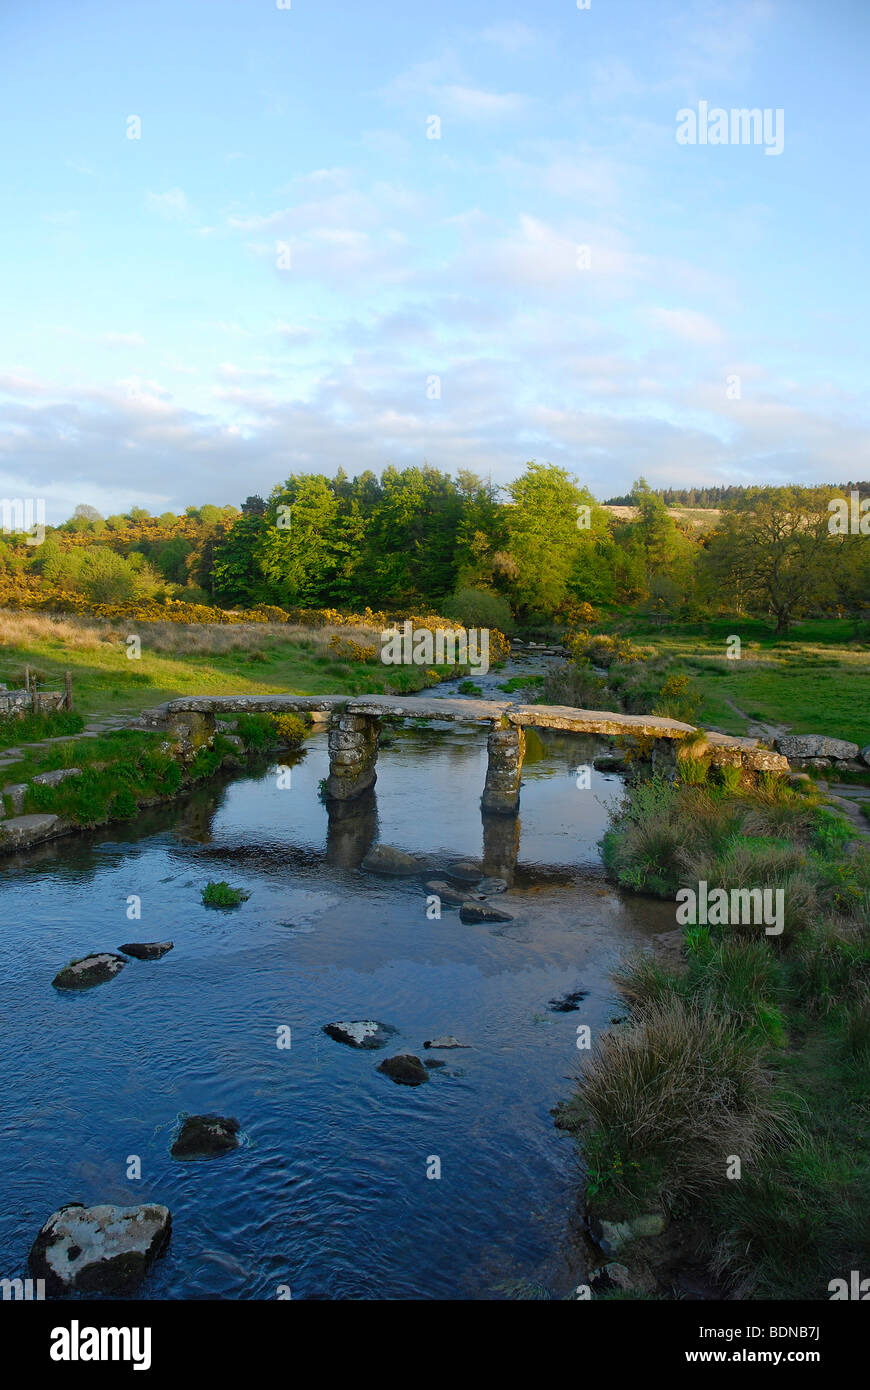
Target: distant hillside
700,518
706,497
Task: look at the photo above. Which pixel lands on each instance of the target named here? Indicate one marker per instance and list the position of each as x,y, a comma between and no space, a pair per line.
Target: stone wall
14,704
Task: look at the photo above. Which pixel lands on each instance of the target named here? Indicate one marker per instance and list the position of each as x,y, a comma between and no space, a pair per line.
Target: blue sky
153,351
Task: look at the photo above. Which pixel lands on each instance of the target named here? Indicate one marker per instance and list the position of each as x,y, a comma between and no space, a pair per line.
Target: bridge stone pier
355,722
505,752
353,752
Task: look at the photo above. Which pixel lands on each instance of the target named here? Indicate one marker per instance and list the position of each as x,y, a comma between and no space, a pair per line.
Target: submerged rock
147,950
568,1003
447,1041
405,1070
206,1136
100,1249
88,971
610,1236
465,871
386,859
449,896
483,912
360,1032
609,762
489,886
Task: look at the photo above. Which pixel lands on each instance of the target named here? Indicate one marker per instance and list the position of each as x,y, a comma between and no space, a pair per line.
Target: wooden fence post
69,695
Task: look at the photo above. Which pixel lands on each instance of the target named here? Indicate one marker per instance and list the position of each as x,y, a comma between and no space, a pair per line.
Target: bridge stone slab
588,721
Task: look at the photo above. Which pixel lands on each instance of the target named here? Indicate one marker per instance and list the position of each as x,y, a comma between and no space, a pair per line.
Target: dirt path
756,728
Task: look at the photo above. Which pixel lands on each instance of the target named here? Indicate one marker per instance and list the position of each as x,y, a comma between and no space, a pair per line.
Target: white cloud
689,325
474,102
511,35
173,205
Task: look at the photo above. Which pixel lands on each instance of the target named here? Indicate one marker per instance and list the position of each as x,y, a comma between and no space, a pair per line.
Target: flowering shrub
346,649
289,728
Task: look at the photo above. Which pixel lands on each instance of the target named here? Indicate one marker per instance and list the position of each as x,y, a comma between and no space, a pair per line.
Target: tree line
418,538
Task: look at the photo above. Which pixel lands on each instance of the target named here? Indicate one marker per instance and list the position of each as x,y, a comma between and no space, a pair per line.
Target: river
329,1194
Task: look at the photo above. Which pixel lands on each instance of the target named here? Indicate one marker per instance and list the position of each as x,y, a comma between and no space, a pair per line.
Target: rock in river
568,1003
88,971
146,950
488,886
102,1249
483,912
360,1032
405,1070
465,871
206,1136
385,859
450,897
447,1041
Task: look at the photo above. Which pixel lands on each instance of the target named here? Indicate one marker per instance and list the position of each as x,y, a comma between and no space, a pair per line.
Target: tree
543,535
774,550
237,573
298,552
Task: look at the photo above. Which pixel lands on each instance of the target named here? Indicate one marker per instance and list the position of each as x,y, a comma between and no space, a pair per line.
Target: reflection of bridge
355,722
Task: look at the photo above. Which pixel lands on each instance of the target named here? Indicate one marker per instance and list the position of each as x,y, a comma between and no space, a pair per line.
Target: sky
287,272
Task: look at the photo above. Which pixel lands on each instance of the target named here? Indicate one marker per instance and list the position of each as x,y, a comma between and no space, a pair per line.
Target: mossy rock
88,971
206,1136
405,1070
102,1249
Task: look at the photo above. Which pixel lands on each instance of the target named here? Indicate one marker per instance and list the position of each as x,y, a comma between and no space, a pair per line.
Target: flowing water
329,1195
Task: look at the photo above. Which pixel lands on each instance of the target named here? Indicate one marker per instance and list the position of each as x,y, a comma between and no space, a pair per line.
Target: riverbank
111,679
724,1126
816,677
68,785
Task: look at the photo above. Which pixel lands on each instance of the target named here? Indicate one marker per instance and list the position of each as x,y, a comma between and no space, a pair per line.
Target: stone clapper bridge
355,722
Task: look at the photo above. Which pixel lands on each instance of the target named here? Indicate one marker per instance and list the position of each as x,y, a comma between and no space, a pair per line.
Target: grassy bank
127,769
752,1047
196,659
815,681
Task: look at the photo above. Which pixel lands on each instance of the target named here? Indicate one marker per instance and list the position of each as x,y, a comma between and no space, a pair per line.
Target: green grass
115,746
31,727
127,770
767,1040
515,683
106,682
815,680
222,895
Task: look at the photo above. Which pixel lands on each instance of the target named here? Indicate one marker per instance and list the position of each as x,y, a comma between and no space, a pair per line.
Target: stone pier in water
353,752
505,751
